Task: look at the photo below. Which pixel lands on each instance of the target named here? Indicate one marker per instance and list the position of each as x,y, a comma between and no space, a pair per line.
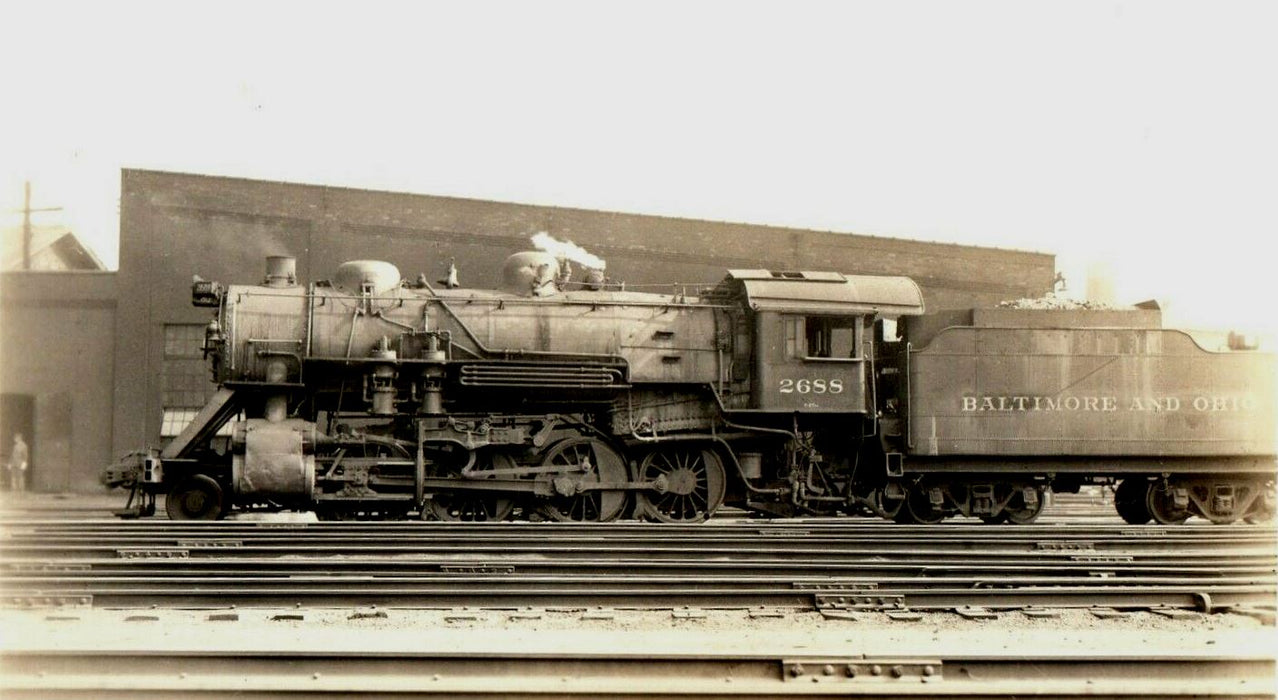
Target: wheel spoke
591,461
460,506
694,484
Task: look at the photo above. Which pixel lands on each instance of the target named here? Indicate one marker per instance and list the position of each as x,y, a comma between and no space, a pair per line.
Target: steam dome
530,273
353,276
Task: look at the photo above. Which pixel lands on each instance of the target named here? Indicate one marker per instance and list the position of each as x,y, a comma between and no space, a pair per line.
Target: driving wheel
585,461
690,480
472,506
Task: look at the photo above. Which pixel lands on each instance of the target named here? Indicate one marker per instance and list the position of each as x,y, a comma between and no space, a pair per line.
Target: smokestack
281,271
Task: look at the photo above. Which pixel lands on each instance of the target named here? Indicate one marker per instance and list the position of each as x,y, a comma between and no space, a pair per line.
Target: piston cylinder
273,461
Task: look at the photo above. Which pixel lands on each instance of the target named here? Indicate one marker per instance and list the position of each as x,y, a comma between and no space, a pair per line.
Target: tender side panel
1087,392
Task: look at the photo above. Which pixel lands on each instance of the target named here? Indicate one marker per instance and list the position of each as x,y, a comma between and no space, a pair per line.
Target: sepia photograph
708,349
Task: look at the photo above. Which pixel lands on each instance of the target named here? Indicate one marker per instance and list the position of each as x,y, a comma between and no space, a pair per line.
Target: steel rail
1256,567
1237,565
449,564
919,553
599,580
621,532
839,524
97,673
634,592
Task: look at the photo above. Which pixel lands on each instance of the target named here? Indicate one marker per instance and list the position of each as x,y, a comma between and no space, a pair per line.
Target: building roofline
551,207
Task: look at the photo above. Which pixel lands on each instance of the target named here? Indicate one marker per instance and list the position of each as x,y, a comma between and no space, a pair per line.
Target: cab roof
829,292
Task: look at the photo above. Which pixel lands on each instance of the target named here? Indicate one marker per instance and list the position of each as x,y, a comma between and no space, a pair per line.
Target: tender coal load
1051,301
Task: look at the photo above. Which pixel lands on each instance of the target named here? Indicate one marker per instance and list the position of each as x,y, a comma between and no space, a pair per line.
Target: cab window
823,337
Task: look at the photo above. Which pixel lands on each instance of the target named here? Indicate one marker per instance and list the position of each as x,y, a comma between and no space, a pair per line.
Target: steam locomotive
779,392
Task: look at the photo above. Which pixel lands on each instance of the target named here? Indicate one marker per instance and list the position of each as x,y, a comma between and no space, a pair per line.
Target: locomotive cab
812,336
811,363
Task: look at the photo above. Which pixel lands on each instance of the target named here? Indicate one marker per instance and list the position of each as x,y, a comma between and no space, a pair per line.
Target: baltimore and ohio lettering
1108,404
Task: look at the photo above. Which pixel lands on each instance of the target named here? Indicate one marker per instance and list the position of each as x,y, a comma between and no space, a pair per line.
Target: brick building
145,346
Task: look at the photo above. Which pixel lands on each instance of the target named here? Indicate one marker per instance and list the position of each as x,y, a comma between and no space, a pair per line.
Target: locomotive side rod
538,487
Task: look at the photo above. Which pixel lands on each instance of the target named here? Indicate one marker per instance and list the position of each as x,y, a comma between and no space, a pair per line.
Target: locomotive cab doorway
811,363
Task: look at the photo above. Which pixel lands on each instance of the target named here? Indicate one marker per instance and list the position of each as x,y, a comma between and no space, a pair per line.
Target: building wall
57,339
173,226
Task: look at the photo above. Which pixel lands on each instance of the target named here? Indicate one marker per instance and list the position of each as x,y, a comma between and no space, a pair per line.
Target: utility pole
26,223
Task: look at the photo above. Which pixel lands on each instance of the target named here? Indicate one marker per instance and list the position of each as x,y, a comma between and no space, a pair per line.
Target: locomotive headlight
206,292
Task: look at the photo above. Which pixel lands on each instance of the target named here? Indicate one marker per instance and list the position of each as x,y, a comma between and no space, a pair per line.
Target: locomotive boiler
781,392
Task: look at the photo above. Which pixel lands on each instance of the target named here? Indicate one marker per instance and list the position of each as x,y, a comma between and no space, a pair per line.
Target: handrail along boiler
781,392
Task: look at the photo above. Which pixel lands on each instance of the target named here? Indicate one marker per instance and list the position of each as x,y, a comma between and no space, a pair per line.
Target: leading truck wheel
197,497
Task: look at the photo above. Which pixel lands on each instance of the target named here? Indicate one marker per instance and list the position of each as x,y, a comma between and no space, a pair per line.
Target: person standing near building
18,464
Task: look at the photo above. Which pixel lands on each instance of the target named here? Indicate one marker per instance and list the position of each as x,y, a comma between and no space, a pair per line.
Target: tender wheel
1161,506
1262,511
460,506
693,481
197,497
889,507
1259,516
1019,512
918,508
995,519
1130,500
601,464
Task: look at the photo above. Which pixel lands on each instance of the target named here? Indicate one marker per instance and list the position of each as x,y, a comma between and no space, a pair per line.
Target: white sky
1140,136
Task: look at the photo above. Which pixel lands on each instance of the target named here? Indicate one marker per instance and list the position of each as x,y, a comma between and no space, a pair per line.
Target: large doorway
17,415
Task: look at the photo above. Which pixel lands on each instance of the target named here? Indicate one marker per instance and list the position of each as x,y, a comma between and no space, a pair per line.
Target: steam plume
567,249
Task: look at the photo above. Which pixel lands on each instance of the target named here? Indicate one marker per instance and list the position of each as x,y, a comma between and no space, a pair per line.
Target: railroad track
839,567
433,581
1092,505
96,673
